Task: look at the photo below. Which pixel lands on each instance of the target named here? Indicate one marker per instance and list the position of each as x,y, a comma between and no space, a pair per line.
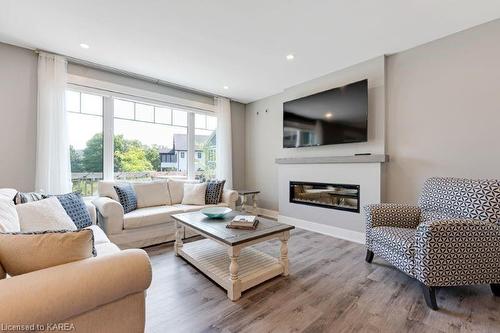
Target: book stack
245,222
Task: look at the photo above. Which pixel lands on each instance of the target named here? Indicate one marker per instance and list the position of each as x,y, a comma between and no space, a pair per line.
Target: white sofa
105,293
151,223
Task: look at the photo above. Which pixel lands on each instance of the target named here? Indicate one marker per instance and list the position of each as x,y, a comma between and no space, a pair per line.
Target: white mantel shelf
378,158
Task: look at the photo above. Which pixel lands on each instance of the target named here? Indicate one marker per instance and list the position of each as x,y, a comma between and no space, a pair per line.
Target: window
146,138
149,140
85,128
205,145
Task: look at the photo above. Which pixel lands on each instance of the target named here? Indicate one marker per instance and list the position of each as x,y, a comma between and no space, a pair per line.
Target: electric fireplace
334,196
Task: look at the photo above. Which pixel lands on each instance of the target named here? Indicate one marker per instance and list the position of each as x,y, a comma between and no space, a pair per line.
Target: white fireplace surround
364,171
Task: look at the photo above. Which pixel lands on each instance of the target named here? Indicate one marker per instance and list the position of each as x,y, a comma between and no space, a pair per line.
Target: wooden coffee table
225,254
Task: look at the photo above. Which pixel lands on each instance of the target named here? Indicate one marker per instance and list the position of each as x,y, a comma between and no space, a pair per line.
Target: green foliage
129,156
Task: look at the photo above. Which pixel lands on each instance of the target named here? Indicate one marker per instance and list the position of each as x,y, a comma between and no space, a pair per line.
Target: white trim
191,145
118,90
108,141
350,235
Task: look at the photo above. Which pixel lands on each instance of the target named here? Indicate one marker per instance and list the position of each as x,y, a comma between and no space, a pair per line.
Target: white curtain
224,163
53,170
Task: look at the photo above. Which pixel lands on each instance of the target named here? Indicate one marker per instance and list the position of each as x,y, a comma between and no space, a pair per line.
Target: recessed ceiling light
226,87
328,115
290,57
84,46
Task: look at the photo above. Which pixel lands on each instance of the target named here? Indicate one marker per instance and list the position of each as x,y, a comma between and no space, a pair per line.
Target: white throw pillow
9,221
44,215
176,189
151,194
194,194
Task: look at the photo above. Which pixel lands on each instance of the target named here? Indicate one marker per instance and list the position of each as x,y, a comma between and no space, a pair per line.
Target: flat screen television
334,116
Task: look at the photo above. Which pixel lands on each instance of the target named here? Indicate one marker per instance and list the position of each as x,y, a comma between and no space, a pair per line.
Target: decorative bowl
215,212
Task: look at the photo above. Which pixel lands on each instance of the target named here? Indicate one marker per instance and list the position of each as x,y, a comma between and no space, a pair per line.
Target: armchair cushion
457,252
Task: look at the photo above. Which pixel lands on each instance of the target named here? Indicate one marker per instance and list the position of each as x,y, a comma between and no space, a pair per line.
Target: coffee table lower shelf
235,274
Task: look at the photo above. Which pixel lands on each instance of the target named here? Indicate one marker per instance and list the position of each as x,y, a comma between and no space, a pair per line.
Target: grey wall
443,111
238,136
18,90
264,130
442,117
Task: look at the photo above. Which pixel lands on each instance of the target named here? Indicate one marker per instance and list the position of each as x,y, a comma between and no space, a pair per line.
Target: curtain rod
125,73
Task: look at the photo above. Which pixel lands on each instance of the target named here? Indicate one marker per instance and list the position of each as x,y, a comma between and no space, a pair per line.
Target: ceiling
207,45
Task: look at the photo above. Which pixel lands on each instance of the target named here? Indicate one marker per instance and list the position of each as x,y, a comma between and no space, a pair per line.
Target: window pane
72,101
211,123
144,112
179,118
86,151
123,109
146,151
205,158
200,121
92,104
163,115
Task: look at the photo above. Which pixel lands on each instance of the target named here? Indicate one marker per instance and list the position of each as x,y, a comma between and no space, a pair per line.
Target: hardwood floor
330,289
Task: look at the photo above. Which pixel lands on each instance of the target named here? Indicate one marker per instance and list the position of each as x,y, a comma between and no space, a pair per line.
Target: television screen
339,115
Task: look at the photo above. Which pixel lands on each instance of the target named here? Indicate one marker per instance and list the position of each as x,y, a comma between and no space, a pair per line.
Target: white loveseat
151,223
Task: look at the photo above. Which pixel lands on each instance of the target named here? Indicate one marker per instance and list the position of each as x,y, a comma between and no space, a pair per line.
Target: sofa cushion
106,189
26,252
149,216
150,194
43,215
194,194
126,197
9,220
76,208
176,189
214,191
99,235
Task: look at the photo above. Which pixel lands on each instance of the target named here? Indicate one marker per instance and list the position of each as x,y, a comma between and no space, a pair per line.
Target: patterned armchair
452,238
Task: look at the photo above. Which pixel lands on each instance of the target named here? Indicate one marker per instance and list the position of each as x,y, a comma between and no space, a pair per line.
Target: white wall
442,117
18,90
264,127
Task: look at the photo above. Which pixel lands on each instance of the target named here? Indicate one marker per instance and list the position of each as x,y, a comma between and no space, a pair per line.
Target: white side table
244,194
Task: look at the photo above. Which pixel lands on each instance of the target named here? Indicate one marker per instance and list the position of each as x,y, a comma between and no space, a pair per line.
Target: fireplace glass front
334,196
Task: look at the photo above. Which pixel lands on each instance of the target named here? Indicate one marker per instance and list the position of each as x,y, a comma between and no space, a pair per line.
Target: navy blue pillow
76,209
213,195
127,197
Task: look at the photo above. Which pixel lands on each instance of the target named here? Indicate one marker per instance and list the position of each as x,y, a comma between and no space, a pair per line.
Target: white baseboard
350,235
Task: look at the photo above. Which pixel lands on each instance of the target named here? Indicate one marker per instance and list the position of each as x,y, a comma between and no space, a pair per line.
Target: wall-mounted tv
334,116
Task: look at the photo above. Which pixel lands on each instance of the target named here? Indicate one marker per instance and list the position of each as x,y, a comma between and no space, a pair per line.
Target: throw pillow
43,215
214,192
176,190
151,194
75,207
25,197
22,253
9,220
126,196
194,194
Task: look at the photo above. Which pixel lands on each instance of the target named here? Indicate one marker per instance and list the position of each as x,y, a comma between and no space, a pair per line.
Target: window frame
142,97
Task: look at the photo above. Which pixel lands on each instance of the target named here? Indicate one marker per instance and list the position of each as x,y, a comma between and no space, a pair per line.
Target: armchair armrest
230,197
57,293
110,214
457,252
392,215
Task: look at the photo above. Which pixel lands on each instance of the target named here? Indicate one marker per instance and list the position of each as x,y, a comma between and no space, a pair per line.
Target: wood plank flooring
330,289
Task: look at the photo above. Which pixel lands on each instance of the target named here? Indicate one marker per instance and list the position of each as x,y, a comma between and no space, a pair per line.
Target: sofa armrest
455,252
230,197
110,214
392,215
55,294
